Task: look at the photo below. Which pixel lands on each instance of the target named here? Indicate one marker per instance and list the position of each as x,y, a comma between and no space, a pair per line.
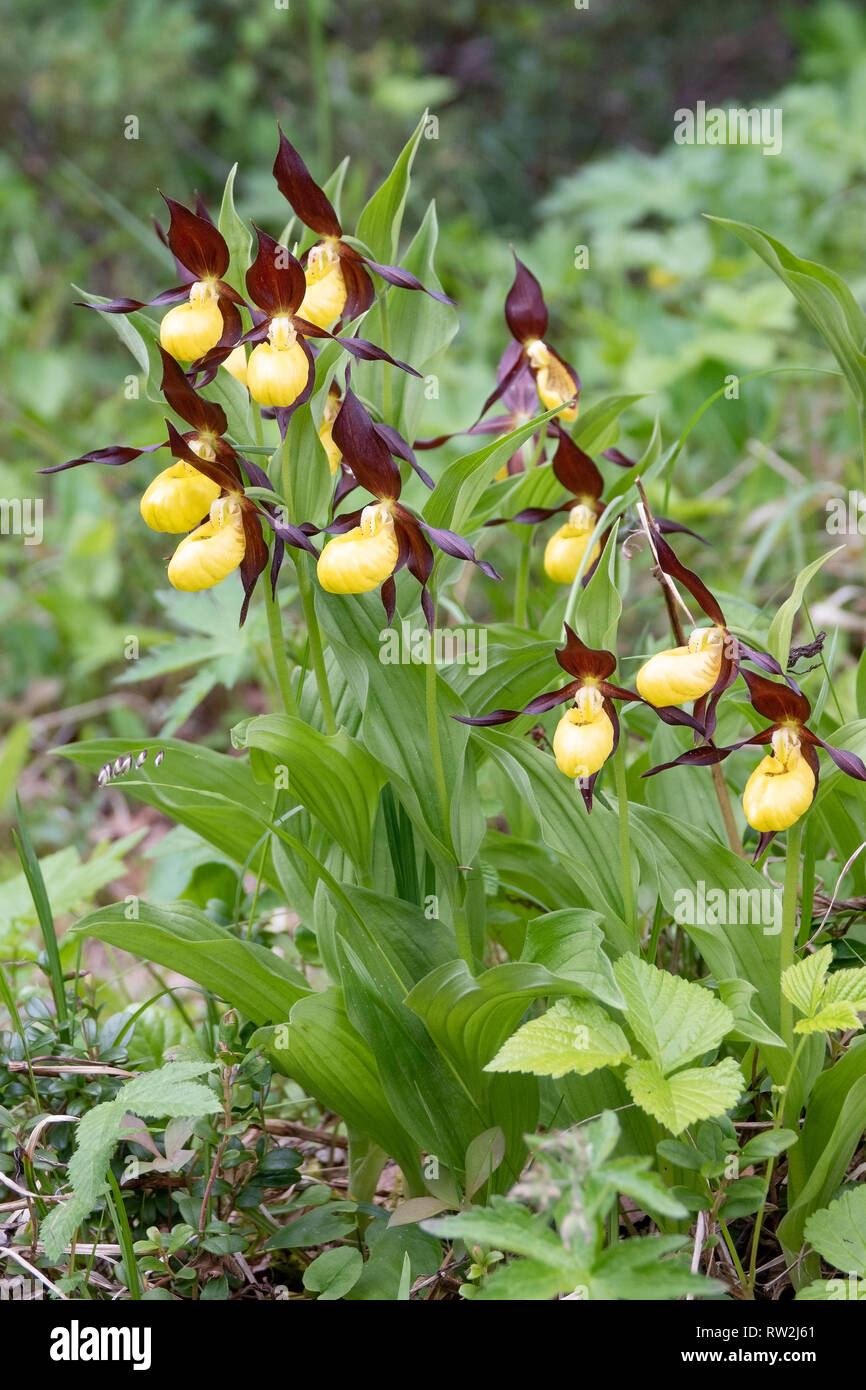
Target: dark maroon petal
619,458
525,309
679,718
204,416
774,701
695,585
530,515
364,450
277,555
455,545
764,840
405,280
289,534
360,290
255,559
358,347
226,476
427,607
540,705
129,306
275,280
695,757
388,594
520,396
256,476
582,661
575,469
300,189
419,555
115,455
196,242
848,762
398,445
669,527
618,692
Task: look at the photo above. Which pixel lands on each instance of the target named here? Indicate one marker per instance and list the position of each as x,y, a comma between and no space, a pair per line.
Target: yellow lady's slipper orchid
552,381
212,551
364,557
781,787
325,298
565,549
190,330
180,496
680,674
329,415
278,370
584,735
236,364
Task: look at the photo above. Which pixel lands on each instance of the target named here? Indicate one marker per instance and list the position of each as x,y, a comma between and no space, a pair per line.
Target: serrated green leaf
673,1019
838,1232
169,1091
573,1036
829,1018
695,1094
803,982
848,985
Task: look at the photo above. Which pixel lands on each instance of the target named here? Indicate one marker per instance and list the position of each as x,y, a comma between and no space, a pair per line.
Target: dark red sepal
300,189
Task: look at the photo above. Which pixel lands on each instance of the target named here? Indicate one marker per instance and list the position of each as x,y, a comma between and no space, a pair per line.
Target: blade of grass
39,894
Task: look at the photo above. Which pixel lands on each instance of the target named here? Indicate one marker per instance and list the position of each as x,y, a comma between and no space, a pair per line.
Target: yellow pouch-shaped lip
361,559
552,381
584,736
781,787
566,547
190,330
325,296
212,551
276,376
236,364
680,674
178,498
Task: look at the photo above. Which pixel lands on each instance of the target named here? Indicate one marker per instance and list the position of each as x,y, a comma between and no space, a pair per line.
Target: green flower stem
521,588
308,600
768,1177
278,650
628,902
789,924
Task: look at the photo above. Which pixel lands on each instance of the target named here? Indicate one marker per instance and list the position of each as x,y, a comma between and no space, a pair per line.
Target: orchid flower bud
325,298
212,551
552,381
565,549
364,557
680,674
584,735
190,330
278,370
180,496
781,787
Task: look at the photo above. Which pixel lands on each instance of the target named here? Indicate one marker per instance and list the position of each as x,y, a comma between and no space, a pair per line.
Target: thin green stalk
317,656
278,651
628,902
39,894
124,1236
862,416
521,587
768,1177
789,923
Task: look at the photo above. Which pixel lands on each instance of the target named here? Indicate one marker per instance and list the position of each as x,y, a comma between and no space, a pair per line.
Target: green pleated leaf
803,983
181,937
380,222
332,775
823,296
